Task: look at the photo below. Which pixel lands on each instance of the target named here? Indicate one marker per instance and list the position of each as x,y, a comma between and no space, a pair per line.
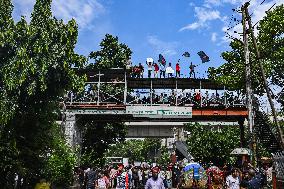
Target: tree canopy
36,70
97,135
112,53
214,145
270,41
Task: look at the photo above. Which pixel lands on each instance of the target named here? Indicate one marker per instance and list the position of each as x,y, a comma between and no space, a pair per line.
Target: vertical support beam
242,133
200,87
125,89
99,84
176,94
151,92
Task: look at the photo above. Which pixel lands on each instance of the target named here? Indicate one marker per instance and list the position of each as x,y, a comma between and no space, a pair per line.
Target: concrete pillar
71,131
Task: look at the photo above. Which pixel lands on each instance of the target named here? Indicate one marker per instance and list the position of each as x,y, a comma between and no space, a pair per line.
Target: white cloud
215,3
83,11
203,15
165,48
257,11
214,37
192,26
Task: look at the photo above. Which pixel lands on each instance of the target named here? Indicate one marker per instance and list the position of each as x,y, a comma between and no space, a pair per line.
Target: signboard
159,111
95,111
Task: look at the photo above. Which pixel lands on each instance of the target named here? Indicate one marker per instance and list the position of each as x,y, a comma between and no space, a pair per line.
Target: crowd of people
160,70
179,175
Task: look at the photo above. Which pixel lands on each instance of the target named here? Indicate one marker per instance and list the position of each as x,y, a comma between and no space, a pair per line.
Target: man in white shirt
232,181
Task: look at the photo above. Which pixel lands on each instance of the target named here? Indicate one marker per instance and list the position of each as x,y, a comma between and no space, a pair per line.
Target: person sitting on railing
179,101
213,98
231,99
161,97
188,98
197,97
165,99
148,100
206,98
144,100
217,98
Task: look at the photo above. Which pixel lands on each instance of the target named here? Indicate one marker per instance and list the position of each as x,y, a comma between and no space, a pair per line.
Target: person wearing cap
155,182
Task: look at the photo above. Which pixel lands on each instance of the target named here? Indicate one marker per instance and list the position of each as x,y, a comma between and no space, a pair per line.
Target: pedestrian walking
233,181
155,182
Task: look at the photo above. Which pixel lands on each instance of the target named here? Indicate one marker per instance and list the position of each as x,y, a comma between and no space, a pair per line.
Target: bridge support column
71,131
242,132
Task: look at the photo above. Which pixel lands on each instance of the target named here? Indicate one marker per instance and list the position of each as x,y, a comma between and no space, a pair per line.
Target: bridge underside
157,125
164,129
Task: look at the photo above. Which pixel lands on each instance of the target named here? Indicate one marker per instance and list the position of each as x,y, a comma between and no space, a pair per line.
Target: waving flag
203,56
186,54
162,60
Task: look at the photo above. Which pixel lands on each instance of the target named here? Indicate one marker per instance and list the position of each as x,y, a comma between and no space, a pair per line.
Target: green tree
270,41
214,145
36,70
112,54
136,150
98,136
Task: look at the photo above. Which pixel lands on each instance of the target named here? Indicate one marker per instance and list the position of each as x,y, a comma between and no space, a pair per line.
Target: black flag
203,56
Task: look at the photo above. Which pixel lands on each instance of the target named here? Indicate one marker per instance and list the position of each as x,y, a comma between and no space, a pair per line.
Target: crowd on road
179,175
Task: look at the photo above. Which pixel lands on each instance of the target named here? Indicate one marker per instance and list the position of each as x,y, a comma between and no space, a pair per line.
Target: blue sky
150,27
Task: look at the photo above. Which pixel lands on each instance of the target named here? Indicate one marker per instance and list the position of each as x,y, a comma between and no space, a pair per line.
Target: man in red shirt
177,70
156,70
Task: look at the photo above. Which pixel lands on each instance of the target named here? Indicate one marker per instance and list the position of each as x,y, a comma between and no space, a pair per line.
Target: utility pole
248,83
258,57
248,71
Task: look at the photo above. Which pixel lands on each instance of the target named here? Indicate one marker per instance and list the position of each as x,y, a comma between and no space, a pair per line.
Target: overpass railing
121,96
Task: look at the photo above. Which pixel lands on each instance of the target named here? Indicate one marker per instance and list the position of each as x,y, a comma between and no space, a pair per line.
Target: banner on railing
159,111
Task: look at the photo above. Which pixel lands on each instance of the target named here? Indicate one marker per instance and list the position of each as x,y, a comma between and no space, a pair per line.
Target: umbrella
191,166
241,151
